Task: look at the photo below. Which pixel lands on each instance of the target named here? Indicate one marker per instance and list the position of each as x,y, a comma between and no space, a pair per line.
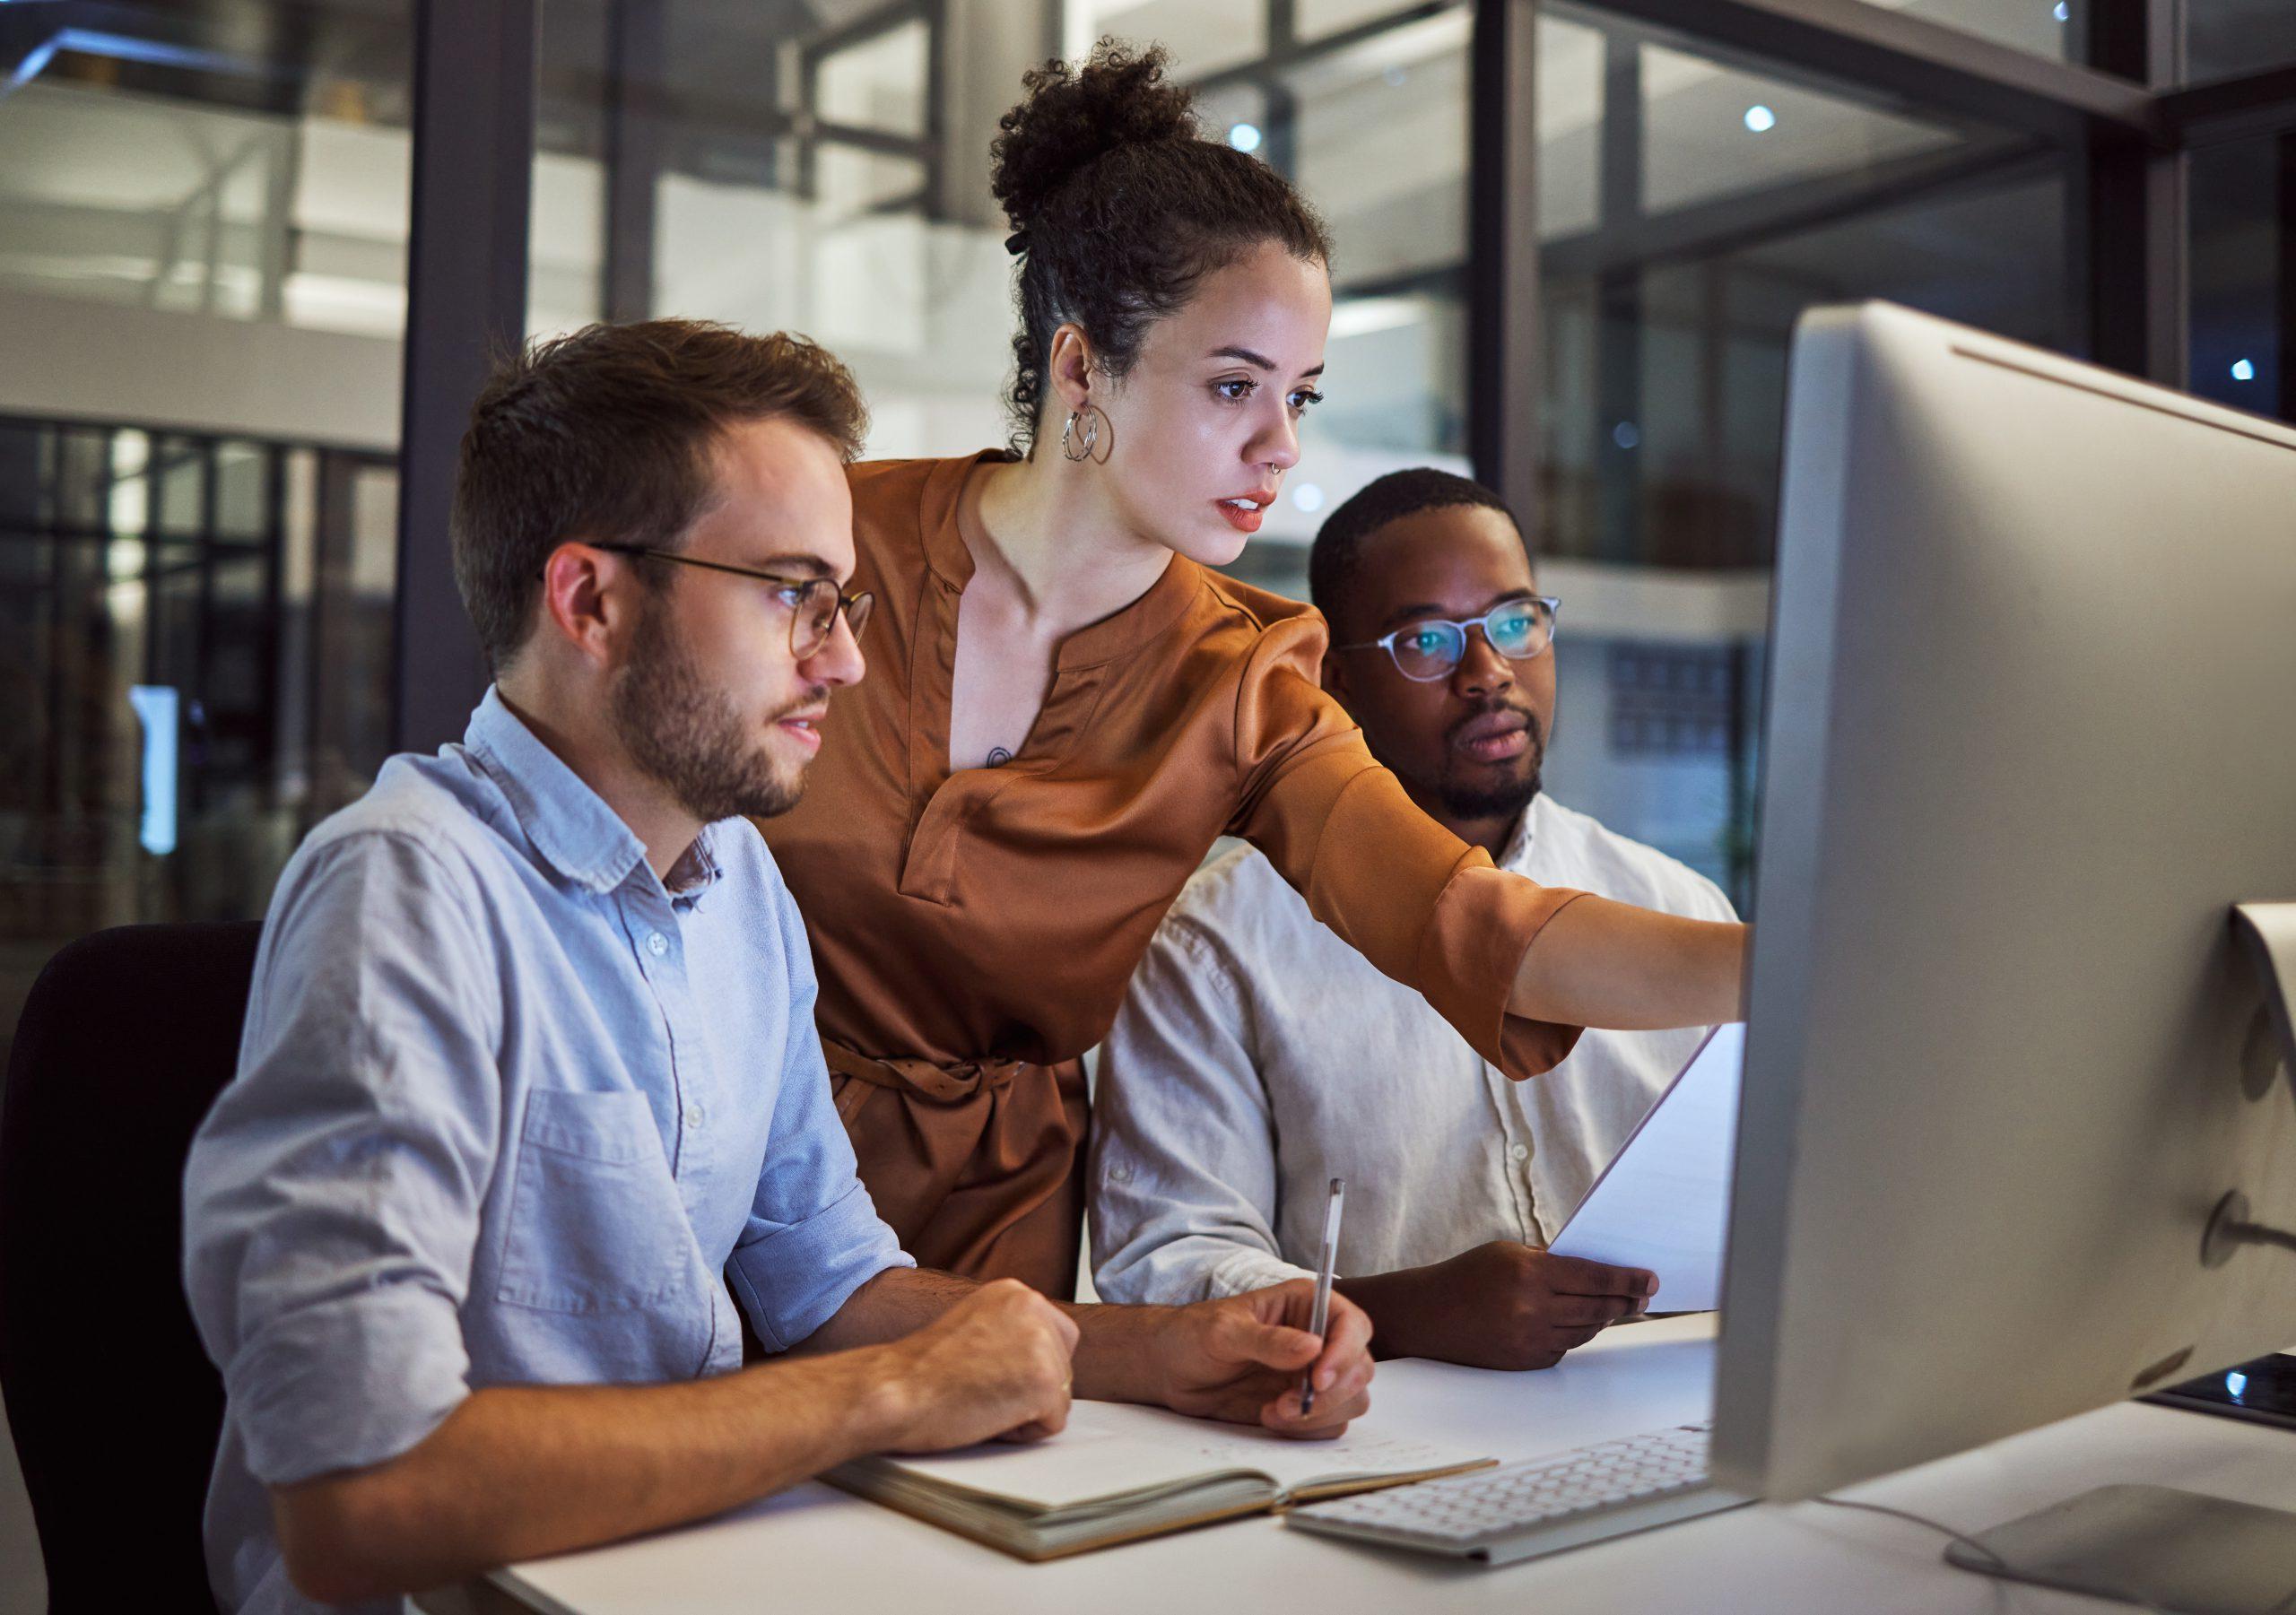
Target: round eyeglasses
1424,651
813,603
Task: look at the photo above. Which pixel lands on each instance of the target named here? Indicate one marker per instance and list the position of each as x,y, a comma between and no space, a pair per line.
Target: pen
1326,1268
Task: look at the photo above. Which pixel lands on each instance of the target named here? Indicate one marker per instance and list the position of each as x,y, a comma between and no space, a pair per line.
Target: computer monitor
2030,735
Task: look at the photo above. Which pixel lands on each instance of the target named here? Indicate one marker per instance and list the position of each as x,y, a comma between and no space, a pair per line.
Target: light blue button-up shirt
507,1107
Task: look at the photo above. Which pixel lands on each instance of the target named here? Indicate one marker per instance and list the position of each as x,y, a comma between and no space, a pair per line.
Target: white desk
815,1548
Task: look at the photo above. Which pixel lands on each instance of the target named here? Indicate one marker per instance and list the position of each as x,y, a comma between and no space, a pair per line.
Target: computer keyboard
1541,1506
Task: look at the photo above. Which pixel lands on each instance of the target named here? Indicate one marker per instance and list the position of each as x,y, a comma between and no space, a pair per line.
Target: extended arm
1601,963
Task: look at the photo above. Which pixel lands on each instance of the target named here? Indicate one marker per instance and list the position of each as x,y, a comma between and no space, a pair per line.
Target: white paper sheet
1664,1203
1112,1447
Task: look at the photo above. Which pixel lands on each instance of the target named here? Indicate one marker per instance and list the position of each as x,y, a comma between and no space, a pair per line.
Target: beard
687,735
1507,798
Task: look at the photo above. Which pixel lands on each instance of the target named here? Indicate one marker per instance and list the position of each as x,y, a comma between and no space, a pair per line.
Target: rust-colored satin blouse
974,931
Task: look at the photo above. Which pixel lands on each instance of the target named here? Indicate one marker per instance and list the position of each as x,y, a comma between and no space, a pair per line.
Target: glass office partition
2243,273
2056,29
2225,39
1692,208
203,246
828,172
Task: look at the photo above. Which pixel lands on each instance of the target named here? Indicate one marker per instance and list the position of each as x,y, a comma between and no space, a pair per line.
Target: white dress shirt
1258,1056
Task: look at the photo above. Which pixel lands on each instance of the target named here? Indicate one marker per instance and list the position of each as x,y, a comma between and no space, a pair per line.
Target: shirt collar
567,823
1517,852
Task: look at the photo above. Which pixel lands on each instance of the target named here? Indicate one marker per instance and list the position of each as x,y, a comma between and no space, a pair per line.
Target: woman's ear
1068,367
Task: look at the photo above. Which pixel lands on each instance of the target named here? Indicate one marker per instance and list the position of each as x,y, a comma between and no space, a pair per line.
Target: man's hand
995,1364
1241,1359
522,1471
1501,1306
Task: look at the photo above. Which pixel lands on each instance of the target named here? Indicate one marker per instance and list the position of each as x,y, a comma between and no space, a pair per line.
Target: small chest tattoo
998,757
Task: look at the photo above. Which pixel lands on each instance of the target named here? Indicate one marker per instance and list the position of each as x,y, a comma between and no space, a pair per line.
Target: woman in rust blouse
1065,706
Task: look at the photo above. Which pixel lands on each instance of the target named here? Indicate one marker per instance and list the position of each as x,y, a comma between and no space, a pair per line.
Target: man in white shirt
1258,1056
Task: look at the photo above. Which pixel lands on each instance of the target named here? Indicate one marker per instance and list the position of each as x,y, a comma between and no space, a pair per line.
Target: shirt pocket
596,1225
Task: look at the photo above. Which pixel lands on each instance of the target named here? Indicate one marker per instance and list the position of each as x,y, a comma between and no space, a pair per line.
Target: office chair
125,1042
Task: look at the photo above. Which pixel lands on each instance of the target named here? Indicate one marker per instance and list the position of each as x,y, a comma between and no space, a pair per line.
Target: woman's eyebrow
1260,360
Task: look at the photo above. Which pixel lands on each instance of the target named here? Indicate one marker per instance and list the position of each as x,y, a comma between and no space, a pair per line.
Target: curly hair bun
1072,116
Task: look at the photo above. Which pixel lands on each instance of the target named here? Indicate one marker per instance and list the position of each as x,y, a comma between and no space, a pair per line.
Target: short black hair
1331,562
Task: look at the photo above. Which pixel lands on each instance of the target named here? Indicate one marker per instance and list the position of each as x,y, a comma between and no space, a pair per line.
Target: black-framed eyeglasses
813,603
1427,649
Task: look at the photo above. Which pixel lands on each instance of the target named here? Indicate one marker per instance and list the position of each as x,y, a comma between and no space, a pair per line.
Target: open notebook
1119,1473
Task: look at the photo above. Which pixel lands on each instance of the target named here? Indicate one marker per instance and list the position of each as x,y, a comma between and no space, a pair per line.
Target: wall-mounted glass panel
243,163
1691,210
566,207
1703,207
879,82
249,580
1710,133
2226,39
2243,274
1202,36
1380,148
203,255
1313,19
2056,29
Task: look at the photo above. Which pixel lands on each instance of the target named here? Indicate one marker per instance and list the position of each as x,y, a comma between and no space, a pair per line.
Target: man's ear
1334,675
585,599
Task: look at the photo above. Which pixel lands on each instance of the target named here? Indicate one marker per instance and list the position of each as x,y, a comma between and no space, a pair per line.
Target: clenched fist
995,1364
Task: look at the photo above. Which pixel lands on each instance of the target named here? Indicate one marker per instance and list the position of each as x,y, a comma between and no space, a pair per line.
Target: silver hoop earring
1082,448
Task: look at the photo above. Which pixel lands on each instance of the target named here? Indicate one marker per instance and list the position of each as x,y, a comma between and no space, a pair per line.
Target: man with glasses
530,1076
1257,1057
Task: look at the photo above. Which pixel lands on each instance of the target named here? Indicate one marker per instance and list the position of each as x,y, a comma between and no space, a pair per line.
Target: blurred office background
1573,238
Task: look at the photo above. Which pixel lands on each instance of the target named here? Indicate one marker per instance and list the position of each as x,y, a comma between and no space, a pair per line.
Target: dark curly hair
1119,207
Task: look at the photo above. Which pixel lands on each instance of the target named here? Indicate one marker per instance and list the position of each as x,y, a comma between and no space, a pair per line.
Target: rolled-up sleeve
1424,907
331,1196
814,1235
1184,1173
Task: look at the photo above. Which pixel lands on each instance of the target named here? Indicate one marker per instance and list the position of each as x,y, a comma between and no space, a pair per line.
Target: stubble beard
688,736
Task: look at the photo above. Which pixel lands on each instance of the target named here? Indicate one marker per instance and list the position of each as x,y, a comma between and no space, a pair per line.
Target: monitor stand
2267,933
2156,1545
2149,1545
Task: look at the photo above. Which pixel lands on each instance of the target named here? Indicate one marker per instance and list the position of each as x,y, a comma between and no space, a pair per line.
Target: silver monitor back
2031,729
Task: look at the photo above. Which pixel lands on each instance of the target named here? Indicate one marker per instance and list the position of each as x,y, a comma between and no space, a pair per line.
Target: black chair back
125,1042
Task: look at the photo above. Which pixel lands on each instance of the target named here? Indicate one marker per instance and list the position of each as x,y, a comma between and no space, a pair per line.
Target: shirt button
693,1115
1519,1152
657,944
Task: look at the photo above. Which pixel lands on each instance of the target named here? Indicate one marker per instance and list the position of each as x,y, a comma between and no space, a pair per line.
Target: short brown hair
606,435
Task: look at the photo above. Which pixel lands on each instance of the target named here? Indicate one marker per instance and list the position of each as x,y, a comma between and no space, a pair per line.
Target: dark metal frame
465,304
813,132
2120,118
185,640
1503,251
2123,117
